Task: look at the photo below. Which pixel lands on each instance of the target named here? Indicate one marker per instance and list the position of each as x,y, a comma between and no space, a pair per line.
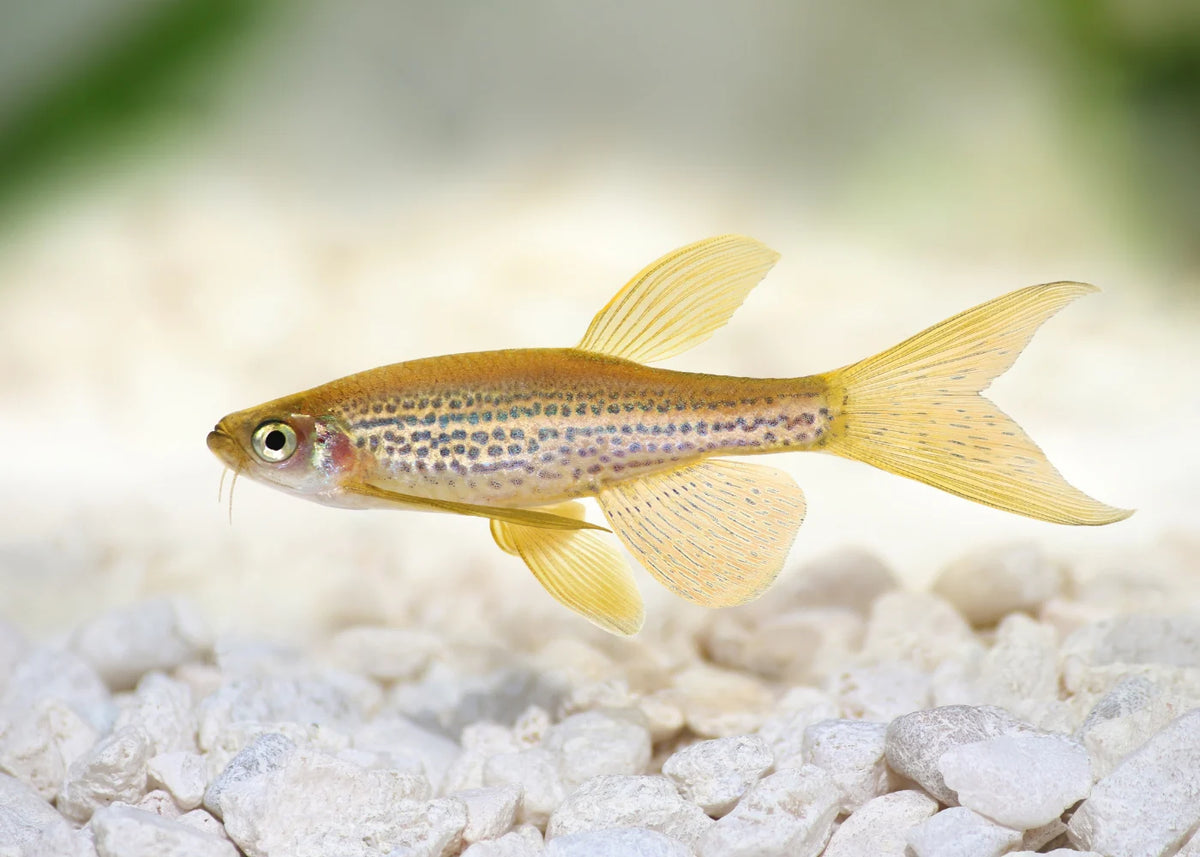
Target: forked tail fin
916,410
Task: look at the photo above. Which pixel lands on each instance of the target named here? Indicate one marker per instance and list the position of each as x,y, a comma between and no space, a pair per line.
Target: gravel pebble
125,643
491,811
608,802
122,831
915,742
593,743
525,841
1150,803
1019,781
181,774
30,826
38,744
879,828
790,812
622,842
535,772
960,832
990,584
715,774
112,770
851,751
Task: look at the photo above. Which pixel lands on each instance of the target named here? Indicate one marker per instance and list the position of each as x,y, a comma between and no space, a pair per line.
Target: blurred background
205,204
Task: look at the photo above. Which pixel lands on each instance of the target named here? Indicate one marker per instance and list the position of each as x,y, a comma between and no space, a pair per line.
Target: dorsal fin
680,300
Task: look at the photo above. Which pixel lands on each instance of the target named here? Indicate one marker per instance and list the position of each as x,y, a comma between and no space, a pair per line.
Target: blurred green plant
158,74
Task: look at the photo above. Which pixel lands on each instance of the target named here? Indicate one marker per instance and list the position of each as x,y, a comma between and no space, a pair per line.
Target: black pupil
275,440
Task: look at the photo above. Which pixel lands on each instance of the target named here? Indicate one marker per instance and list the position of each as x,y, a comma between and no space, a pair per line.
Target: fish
520,436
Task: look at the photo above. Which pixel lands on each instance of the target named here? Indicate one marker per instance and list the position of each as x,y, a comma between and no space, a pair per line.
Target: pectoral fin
579,568
716,533
526,517
678,301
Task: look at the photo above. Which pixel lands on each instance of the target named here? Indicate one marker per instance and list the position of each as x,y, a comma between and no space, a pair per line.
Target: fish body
517,435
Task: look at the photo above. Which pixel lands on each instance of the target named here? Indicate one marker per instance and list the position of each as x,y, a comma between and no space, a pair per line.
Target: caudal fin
916,410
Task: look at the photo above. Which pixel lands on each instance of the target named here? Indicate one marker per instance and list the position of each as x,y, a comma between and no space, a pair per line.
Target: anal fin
716,533
577,567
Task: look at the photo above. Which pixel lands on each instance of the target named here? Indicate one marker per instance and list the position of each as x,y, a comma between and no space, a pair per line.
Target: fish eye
274,441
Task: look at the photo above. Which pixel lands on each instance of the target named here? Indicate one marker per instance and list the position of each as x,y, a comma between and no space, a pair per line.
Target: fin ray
526,517
916,410
679,300
578,568
716,533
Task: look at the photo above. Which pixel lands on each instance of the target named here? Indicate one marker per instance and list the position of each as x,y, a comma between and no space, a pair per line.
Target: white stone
879,828
30,827
535,771
881,691
408,746
916,741
1150,803
918,627
1020,671
46,673
800,645
1019,781
988,585
789,812
715,774
595,742
386,654
491,811
158,802
181,774
664,717
204,821
480,741
112,770
125,643
1191,848
1125,718
162,708
1065,852
621,842
610,802
38,744
784,730
525,841
1100,654
718,703
851,752
122,831
277,798
959,832
848,577
532,727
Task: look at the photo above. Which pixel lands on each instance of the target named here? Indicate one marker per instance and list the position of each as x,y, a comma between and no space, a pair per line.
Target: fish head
282,445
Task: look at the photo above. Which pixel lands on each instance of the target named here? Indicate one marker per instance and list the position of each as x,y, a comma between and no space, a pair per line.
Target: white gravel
1061,732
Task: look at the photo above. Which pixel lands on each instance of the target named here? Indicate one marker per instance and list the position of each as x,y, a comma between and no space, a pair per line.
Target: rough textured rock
609,802
30,827
790,812
851,751
719,703
275,797
624,842
162,708
112,770
399,743
989,584
123,644
535,771
893,635
800,645
959,832
38,744
881,691
1020,781
122,831
525,841
386,654
915,742
1150,803
1020,671
181,774
784,731
491,812
880,827
46,673
715,774
593,743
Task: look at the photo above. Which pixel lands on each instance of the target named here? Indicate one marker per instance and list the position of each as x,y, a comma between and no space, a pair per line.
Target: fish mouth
224,447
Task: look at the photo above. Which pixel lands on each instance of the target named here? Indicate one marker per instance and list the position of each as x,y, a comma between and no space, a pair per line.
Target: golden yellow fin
678,301
915,410
579,568
716,533
526,517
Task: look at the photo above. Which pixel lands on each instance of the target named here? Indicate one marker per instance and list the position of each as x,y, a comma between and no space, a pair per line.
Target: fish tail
916,410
